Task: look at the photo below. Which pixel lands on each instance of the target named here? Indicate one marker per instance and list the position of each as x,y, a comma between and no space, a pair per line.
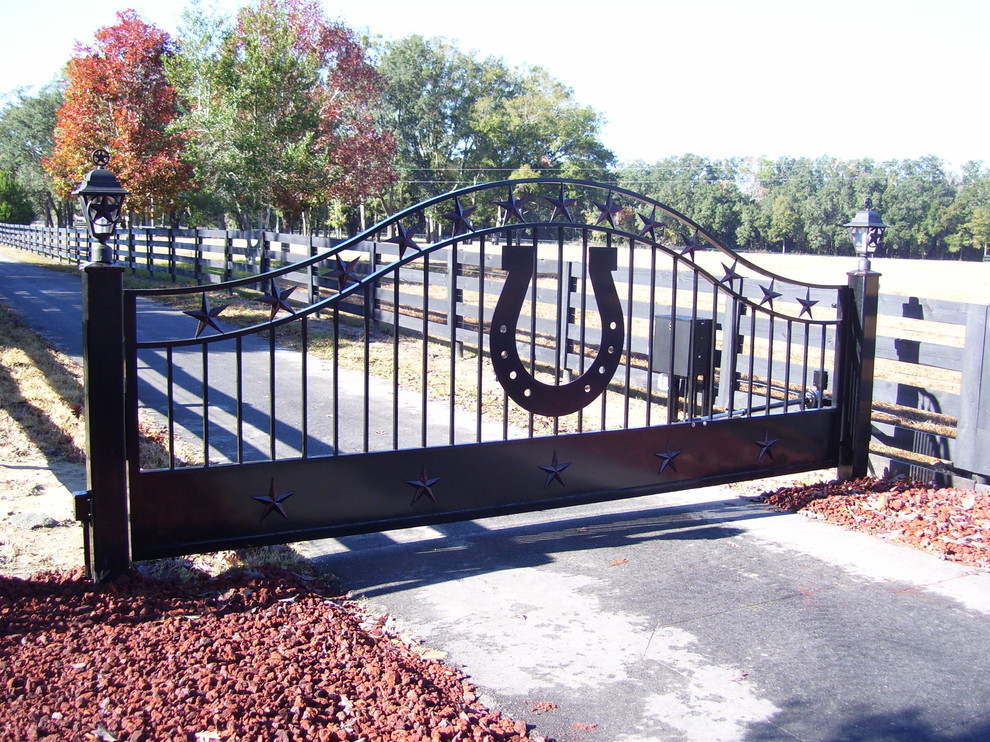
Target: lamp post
860,305
102,200
867,230
103,507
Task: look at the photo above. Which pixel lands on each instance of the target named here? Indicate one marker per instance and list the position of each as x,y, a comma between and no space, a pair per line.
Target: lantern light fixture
867,231
102,199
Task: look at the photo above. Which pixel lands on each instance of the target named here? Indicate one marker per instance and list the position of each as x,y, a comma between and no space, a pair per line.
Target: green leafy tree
430,91
280,111
15,205
528,118
459,119
969,213
703,190
27,137
916,203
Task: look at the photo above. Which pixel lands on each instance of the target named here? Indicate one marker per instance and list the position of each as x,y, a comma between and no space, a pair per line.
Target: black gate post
106,527
860,320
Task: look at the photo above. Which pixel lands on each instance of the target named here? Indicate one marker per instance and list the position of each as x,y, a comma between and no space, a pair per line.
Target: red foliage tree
118,97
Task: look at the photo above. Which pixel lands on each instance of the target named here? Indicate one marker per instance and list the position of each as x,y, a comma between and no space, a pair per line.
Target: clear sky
849,78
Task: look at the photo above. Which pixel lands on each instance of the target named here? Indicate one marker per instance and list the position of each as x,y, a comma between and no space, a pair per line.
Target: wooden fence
931,413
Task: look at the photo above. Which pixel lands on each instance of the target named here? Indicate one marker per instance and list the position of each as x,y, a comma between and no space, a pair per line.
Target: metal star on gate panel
667,459
765,446
553,471
423,486
404,239
273,501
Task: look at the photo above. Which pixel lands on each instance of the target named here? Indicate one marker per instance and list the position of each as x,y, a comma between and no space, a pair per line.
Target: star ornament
693,244
730,273
667,459
277,299
404,239
345,273
423,486
207,316
651,224
553,471
273,501
806,304
561,205
607,210
765,446
459,216
512,206
769,294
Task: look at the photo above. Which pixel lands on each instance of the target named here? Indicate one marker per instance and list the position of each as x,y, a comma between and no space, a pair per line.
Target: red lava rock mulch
953,523
259,656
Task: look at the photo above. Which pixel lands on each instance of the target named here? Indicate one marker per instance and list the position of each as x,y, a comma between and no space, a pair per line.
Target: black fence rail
203,256
931,389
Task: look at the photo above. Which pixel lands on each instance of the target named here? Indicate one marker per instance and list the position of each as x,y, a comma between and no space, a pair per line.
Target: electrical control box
692,341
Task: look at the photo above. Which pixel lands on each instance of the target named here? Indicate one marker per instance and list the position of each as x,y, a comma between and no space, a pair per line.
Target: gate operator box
692,341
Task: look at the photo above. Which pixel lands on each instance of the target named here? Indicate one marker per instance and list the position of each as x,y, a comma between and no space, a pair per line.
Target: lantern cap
867,217
99,181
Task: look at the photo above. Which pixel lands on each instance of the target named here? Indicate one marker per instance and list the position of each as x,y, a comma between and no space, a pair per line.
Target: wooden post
972,451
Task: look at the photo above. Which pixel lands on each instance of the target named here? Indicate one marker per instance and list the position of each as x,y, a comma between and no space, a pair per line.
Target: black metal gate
506,347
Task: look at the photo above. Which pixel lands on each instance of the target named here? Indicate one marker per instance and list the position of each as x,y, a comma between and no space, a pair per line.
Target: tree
27,136
916,204
431,88
118,97
15,206
534,120
967,217
459,119
703,190
281,109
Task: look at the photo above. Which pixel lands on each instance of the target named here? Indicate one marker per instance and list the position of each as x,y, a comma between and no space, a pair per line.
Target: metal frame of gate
506,347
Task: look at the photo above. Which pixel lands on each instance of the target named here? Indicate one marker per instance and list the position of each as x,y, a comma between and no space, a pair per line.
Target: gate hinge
83,500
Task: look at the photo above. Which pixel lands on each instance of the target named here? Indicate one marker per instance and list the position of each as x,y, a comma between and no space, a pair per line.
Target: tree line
282,118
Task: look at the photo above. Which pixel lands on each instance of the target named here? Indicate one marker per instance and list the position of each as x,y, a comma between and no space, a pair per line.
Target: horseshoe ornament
536,396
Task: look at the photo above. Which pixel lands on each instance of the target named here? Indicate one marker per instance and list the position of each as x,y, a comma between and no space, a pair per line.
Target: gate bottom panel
186,511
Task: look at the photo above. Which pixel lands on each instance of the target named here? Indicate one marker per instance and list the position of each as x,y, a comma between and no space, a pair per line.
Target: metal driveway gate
507,347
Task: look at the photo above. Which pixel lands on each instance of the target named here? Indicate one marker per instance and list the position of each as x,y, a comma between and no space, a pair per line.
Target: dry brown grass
42,396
